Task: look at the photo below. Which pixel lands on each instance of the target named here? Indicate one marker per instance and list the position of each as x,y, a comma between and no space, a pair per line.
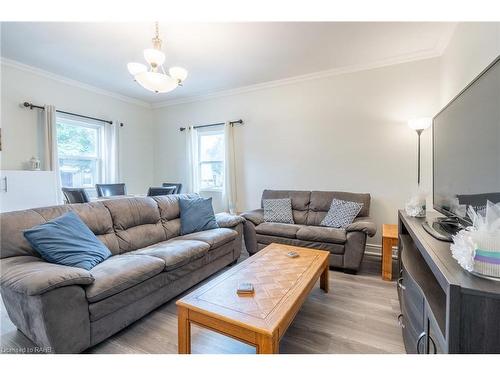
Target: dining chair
107,190
178,187
75,195
155,191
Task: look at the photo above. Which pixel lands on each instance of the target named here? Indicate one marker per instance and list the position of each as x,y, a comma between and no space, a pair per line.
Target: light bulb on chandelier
154,78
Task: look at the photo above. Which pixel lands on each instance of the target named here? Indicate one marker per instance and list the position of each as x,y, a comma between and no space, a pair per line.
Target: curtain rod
31,106
240,121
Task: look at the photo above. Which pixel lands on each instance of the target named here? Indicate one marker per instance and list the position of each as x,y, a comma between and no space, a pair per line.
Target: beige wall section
345,132
21,131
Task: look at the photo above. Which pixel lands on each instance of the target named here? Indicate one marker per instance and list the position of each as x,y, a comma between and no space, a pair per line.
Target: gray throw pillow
278,210
341,213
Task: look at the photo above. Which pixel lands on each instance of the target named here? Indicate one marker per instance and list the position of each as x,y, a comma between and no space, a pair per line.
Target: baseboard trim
376,250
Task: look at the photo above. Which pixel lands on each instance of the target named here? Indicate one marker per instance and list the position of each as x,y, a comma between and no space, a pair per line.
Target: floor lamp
419,125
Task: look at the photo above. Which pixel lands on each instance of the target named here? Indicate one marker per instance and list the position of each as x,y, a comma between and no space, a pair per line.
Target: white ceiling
218,56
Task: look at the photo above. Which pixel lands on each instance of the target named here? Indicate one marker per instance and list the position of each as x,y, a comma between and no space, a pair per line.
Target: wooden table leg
267,344
323,281
184,331
387,258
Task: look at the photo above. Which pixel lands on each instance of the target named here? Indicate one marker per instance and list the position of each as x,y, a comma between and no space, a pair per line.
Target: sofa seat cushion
175,252
278,229
213,237
333,248
322,234
121,272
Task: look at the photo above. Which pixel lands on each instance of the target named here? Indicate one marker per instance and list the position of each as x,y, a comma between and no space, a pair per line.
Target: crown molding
421,55
445,39
71,82
437,51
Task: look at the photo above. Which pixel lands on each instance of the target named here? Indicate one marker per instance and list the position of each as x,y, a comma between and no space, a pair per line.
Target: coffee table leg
184,331
267,344
323,281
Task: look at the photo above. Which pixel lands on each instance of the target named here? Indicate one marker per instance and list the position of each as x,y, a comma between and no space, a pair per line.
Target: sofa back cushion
170,212
136,222
68,241
300,202
322,200
95,215
12,224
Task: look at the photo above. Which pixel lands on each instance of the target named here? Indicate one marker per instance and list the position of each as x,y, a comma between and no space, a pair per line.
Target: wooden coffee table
281,285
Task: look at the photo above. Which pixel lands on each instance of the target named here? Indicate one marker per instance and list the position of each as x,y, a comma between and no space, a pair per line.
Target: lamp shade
156,82
178,73
420,123
154,57
136,68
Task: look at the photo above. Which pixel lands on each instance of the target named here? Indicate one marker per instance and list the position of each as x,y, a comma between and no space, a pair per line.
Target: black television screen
466,147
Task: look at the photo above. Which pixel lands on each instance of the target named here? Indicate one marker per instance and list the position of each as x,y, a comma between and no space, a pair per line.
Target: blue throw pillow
68,241
197,214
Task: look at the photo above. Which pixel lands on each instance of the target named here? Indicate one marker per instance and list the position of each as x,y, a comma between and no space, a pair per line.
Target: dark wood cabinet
444,309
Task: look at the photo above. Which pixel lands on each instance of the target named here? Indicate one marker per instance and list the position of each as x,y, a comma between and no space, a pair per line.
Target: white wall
473,46
346,132
21,127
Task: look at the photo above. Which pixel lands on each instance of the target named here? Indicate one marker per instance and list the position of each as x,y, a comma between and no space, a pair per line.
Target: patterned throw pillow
278,210
341,213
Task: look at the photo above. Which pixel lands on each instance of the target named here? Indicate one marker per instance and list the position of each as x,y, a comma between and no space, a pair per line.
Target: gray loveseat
69,309
346,246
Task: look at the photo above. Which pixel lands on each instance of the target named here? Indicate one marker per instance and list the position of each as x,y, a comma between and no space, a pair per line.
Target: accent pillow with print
197,214
341,213
68,241
278,210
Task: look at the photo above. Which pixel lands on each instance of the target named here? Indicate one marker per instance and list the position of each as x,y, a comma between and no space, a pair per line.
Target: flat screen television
466,148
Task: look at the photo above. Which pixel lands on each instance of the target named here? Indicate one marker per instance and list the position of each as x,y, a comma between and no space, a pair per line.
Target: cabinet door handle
422,335
433,344
5,184
400,321
400,284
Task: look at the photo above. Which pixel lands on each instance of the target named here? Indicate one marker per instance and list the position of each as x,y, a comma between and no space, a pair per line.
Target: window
79,147
211,159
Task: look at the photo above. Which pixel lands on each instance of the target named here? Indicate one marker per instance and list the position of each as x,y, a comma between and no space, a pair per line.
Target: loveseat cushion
278,229
121,272
175,252
322,234
213,237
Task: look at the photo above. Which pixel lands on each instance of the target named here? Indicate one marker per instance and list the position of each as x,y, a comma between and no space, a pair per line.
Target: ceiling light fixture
155,78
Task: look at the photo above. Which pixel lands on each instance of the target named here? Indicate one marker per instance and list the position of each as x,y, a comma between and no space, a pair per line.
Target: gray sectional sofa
67,309
346,246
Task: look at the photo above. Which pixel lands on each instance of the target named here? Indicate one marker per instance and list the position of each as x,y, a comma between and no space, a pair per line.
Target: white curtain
51,159
110,153
192,160
229,188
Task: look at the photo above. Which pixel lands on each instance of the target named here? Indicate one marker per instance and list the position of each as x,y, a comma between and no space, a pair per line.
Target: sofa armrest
225,220
255,216
33,276
363,224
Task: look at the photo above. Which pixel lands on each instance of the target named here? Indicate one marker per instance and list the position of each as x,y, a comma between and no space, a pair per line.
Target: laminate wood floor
359,315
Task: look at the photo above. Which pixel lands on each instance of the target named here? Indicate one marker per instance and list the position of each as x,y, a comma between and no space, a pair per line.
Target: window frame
201,132
99,154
